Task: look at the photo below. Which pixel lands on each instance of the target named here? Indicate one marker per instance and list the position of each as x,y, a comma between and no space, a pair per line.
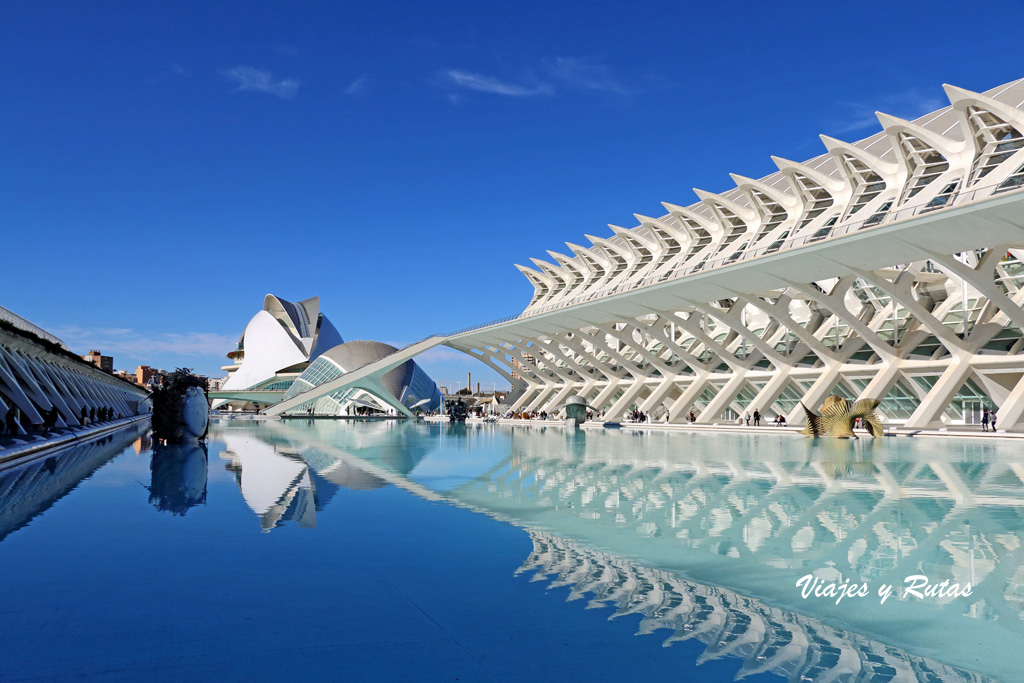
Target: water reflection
706,536
289,470
766,638
29,488
178,477
753,515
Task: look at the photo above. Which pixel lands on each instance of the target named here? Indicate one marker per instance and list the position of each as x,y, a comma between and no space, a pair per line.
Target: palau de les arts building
887,268
288,348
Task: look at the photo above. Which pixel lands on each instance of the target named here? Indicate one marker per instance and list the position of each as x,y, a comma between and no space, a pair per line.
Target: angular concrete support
722,400
930,411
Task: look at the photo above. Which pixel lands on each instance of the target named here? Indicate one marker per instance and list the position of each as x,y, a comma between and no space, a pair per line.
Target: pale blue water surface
332,550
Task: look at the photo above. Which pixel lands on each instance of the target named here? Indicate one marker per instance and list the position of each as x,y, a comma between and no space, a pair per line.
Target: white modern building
891,267
277,345
289,348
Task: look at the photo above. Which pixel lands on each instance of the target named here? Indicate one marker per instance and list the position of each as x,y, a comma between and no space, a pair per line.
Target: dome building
407,384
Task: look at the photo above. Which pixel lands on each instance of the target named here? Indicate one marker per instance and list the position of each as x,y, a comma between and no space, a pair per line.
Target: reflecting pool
384,550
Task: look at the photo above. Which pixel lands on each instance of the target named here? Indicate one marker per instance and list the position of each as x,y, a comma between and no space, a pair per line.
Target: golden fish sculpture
838,417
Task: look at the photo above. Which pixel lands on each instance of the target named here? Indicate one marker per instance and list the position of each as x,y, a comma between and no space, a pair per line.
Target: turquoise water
331,550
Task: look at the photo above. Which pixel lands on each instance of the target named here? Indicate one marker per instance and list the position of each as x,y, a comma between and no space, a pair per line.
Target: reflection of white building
287,474
276,486
278,343
730,625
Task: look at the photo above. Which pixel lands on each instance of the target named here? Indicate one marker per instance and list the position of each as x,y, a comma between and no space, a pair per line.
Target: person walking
984,420
12,420
746,418
992,415
757,418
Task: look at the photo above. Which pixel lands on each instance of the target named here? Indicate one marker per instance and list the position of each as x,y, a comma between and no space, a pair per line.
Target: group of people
988,419
94,415
532,415
17,420
15,417
779,421
639,416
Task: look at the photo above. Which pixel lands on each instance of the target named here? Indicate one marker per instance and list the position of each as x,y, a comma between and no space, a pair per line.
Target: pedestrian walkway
16,448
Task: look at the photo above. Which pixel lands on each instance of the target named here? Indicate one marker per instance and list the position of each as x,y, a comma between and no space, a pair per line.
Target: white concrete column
712,413
682,406
766,397
601,400
657,396
1010,414
817,394
930,411
619,407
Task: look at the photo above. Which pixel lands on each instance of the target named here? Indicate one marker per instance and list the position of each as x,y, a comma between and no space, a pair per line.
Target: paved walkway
14,448
957,431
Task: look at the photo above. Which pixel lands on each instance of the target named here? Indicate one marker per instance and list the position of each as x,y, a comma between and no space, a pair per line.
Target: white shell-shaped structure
283,337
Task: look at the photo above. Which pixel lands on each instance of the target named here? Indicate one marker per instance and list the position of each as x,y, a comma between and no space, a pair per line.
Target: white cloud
257,80
910,105
357,87
487,84
560,74
584,74
132,343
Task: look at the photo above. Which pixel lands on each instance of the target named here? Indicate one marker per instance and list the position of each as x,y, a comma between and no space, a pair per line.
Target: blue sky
166,165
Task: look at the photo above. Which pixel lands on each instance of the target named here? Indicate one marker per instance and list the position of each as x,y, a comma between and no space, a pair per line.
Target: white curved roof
17,321
280,336
977,140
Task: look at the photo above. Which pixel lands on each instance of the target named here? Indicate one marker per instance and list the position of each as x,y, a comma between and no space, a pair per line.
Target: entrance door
972,412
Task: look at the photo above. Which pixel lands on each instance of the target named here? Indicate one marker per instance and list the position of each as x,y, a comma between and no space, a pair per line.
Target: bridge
265,396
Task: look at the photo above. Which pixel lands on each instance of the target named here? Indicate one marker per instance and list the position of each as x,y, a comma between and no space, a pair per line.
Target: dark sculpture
181,410
457,411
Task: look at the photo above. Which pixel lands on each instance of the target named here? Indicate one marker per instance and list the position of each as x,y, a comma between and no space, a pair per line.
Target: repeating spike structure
890,267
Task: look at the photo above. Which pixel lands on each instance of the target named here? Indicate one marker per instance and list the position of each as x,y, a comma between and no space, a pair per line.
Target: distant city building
104,363
146,376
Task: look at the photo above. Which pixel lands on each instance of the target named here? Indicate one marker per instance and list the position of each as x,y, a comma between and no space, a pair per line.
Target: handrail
955,200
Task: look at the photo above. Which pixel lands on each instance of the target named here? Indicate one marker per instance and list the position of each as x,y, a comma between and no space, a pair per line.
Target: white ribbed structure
38,373
891,267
